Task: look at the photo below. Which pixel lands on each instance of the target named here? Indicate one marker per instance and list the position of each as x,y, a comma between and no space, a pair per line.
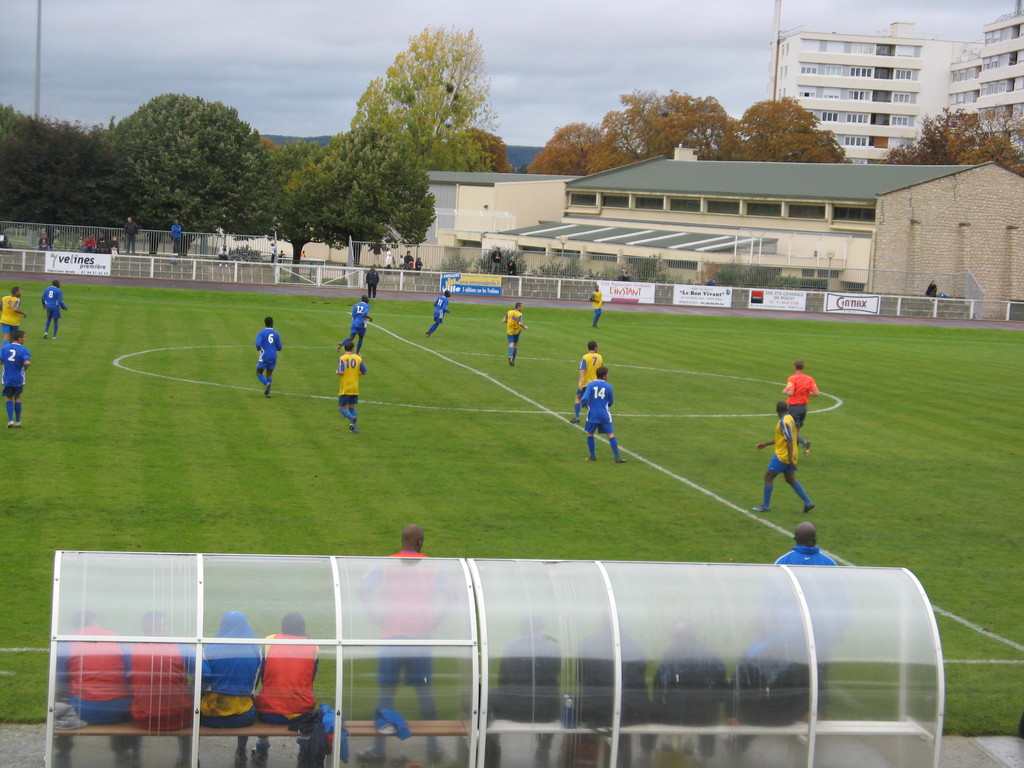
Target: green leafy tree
964,138
434,94
298,170
494,150
195,161
8,116
781,131
371,185
58,172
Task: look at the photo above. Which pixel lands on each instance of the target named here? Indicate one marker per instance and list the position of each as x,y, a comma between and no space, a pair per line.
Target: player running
360,317
784,460
588,372
440,310
800,387
53,303
268,342
350,368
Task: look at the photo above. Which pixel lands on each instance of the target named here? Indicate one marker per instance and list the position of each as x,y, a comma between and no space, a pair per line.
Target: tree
494,151
298,172
434,94
8,116
782,131
59,172
371,182
964,138
572,151
195,161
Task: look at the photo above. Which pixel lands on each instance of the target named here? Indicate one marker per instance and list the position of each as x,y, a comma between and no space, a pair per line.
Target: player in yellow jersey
513,321
350,368
588,372
597,302
784,460
12,313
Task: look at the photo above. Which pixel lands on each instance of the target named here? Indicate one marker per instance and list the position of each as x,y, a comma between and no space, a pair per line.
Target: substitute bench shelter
527,663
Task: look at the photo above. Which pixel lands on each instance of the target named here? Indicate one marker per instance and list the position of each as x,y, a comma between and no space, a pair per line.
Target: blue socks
432,329
577,408
10,410
17,411
767,496
590,444
801,492
615,446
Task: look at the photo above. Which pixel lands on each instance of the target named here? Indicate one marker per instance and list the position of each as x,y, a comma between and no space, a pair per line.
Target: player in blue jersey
16,359
53,303
440,310
268,342
597,399
360,317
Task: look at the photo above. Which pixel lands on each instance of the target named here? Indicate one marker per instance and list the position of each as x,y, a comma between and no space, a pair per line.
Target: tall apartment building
870,90
992,81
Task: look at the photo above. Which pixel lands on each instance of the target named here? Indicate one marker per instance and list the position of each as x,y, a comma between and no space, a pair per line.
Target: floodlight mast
39,45
773,86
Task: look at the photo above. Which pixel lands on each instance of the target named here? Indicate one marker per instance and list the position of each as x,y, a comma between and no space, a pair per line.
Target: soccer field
145,429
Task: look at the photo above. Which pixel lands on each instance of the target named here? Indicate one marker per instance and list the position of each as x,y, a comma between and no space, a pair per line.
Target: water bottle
568,712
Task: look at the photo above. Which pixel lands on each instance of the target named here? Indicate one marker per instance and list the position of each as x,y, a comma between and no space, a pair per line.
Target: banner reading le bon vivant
702,296
78,263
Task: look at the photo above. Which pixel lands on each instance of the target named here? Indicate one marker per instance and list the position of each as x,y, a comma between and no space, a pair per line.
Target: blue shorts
439,318
393,660
53,314
579,393
103,712
513,339
5,328
266,365
344,400
242,720
12,391
777,465
357,330
604,427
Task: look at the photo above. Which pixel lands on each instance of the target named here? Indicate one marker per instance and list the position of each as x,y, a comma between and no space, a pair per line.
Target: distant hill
518,156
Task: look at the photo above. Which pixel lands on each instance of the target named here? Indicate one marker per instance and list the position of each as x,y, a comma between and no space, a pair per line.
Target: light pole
39,45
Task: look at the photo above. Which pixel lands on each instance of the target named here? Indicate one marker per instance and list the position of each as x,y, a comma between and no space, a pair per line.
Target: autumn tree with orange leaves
782,131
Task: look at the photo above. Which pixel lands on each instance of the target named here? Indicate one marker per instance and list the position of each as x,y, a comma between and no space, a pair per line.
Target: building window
859,95
884,50
905,74
723,206
804,211
684,204
808,93
971,73
967,97
615,201
906,121
856,117
991,62
883,73
582,198
829,117
650,203
902,97
862,72
764,209
867,48
808,69
855,141
847,213
833,70
882,96
908,50
831,93
879,119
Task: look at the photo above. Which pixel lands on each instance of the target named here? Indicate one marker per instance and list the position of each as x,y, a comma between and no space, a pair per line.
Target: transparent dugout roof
612,662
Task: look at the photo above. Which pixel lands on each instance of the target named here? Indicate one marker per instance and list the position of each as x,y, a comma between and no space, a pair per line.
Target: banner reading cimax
771,298
629,293
702,296
486,285
856,304
78,263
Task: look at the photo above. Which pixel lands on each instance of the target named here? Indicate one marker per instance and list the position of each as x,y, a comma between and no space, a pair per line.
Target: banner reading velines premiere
78,263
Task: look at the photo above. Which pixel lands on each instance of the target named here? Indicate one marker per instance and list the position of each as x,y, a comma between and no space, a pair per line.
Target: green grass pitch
145,429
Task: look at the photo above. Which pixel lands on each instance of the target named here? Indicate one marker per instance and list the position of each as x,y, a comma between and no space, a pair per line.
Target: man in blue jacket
806,551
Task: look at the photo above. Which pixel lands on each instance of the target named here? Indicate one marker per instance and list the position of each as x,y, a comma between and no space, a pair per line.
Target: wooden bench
354,728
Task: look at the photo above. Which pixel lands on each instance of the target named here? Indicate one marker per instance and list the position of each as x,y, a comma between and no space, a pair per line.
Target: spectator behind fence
932,289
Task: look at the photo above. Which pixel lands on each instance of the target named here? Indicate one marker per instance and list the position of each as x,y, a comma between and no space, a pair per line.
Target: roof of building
478,179
649,237
788,181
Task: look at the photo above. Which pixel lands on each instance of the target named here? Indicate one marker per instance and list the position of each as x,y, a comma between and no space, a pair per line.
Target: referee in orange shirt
799,387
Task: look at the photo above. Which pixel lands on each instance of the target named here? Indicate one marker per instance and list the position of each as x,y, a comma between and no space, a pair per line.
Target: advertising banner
772,298
480,285
78,263
853,303
627,292
702,296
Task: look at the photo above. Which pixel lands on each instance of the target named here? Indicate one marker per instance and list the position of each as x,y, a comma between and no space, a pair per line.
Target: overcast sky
298,67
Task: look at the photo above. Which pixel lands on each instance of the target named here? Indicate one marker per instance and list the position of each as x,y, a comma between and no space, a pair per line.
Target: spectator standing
932,289
806,551
496,260
176,237
53,303
372,280
131,231
624,274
